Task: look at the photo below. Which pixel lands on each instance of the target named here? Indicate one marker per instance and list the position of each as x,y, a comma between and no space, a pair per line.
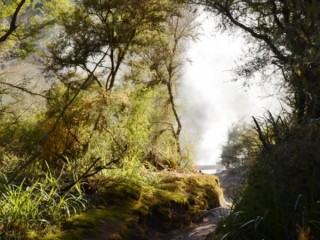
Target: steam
212,102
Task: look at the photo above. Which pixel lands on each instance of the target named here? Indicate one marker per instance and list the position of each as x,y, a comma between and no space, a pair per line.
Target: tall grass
37,206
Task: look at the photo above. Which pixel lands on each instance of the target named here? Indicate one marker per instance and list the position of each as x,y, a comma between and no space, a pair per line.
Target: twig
23,89
87,173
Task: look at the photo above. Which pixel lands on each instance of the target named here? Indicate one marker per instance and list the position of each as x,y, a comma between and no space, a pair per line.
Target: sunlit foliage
76,109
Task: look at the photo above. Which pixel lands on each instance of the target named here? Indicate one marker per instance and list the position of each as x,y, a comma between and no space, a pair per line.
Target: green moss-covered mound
128,210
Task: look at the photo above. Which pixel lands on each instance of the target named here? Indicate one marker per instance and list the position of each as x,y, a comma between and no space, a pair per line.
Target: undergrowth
35,207
281,199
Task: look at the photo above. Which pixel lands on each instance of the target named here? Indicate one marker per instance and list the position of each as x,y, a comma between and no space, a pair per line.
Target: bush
281,199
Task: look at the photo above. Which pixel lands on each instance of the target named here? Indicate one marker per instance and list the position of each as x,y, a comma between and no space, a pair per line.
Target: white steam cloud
212,102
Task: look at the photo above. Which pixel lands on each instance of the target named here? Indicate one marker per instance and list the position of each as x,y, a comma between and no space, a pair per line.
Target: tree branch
55,125
13,22
224,9
256,35
23,89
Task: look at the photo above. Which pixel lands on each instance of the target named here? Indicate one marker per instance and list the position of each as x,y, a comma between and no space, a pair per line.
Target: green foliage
240,148
30,21
58,9
283,186
24,135
125,124
35,206
95,125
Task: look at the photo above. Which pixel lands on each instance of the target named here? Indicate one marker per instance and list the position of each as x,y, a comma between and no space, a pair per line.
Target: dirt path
206,225
208,221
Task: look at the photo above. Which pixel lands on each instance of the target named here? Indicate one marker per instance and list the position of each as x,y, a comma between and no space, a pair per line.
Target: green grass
35,206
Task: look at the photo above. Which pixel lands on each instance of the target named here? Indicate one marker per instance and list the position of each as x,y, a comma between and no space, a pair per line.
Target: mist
212,101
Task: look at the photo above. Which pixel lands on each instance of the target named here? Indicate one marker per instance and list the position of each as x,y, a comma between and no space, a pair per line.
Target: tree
100,37
91,99
103,33
163,61
240,148
285,35
168,66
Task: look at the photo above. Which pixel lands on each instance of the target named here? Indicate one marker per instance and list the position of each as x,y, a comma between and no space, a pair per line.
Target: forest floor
230,181
207,223
197,231
204,226
162,215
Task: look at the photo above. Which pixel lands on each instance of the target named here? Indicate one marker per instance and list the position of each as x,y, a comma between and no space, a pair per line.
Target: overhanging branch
13,23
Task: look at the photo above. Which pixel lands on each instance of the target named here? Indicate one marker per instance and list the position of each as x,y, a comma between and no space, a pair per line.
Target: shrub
283,187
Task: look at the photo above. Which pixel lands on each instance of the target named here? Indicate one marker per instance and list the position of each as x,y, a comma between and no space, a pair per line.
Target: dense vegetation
280,199
89,118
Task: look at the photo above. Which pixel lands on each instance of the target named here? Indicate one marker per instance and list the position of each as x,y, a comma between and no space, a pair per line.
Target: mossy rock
179,199
130,211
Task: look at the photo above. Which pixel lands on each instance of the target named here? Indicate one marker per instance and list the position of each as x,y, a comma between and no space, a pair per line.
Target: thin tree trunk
176,116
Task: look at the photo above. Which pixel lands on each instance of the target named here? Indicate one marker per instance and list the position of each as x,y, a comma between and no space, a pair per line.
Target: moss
129,211
105,221
179,198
